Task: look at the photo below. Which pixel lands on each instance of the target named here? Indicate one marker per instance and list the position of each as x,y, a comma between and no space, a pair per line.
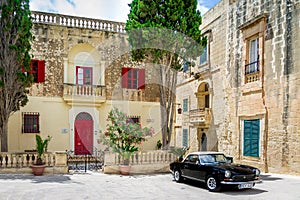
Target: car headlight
227,174
257,172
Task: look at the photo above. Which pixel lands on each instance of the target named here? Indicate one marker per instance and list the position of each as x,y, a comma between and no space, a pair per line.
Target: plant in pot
41,147
123,136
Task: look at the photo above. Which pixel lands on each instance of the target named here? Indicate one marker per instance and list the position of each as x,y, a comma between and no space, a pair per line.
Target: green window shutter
185,105
185,137
251,138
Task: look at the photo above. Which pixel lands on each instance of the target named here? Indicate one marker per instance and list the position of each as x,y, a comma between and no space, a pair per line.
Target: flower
123,135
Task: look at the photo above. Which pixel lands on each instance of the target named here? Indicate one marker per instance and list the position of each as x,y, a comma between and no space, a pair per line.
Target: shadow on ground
37,179
228,190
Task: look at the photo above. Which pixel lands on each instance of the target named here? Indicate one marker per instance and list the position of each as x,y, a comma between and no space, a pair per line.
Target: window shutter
124,77
41,71
185,137
251,138
141,79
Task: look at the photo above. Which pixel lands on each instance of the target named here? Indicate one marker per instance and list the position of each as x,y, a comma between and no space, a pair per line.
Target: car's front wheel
177,175
212,184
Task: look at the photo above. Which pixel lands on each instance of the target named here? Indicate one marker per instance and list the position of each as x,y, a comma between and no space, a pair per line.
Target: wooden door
83,139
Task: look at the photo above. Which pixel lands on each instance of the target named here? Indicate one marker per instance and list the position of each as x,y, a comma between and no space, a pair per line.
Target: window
84,75
185,66
133,78
192,159
37,69
134,119
253,64
185,107
251,137
184,137
203,56
30,122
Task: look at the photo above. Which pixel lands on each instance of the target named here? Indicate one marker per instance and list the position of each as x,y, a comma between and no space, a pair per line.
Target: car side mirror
229,159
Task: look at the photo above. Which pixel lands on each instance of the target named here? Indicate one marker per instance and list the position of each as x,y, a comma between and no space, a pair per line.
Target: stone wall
274,98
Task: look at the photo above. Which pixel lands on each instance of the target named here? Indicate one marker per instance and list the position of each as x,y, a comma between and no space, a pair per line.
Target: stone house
242,97
82,68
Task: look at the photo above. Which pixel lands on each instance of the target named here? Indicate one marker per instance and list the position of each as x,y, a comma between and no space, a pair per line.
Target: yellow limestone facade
243,99
65,44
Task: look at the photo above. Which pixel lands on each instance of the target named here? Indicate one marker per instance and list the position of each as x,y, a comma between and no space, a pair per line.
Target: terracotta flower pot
38,170
125,169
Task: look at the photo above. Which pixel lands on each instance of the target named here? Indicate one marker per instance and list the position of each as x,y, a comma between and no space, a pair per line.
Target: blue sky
114,10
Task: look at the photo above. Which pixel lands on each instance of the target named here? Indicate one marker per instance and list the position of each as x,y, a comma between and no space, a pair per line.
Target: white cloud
203,9
102,9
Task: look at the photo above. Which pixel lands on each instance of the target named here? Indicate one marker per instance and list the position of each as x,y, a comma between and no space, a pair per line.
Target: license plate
245,185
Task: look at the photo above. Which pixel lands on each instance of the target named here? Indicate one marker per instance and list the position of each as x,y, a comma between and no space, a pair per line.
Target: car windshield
212,158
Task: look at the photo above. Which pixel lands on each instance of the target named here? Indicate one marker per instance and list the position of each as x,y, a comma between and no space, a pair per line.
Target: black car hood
237,168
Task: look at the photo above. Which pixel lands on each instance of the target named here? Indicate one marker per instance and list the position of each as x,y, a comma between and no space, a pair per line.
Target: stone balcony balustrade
77,22
200,117
84,94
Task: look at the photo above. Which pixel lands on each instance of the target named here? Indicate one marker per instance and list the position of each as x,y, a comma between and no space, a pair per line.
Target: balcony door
84,75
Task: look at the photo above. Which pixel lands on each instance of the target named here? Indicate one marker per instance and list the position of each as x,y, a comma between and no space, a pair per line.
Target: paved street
161,186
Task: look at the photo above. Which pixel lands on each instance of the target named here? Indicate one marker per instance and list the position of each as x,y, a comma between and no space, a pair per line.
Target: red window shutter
41,71
124,77
141,79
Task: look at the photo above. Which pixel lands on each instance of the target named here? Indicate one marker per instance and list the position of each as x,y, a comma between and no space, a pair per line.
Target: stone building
82,68
243,95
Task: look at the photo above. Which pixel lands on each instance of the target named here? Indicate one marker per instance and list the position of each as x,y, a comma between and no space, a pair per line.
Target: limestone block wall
274,98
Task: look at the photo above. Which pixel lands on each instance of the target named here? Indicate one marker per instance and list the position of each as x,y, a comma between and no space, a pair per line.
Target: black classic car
215,169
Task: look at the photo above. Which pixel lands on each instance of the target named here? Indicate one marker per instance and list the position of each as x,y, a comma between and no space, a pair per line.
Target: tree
166,33
15,37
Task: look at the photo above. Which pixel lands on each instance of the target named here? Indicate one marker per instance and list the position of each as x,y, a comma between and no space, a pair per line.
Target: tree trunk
3,134
167,89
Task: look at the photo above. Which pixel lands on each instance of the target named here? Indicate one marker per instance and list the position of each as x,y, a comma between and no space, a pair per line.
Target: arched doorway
83,138
203,142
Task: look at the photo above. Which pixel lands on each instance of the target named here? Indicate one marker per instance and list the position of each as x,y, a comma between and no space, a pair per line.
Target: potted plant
123,136
41,147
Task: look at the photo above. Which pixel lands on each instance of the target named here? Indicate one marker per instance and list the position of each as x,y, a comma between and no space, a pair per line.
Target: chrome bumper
237,183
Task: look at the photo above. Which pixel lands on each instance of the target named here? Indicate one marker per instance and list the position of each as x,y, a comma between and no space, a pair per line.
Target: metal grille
30,122
250,177
84,116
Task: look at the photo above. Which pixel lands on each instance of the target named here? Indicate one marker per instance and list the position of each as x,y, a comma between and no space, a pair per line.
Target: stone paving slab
160,186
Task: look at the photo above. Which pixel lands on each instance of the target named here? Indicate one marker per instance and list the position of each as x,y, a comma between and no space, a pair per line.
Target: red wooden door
83,134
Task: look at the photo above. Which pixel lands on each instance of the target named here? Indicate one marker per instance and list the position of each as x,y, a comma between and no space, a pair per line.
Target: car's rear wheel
177,175
212,184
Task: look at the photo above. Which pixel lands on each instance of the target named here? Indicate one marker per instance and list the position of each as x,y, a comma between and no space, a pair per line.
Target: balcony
93,95
200,117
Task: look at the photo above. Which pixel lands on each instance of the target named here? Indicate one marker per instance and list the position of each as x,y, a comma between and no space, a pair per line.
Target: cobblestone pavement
161,186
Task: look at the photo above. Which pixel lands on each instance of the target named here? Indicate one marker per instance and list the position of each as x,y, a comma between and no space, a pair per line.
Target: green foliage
163,28
15,38
178,151
41,147
122,135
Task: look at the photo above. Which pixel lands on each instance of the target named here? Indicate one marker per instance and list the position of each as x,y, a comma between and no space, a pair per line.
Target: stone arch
203,95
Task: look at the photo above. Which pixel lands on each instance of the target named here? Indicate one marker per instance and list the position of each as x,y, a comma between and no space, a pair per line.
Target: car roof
206,152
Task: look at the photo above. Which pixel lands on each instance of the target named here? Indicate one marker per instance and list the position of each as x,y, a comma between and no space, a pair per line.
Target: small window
203,56
253,63
185,66
185,138
134,119
37,69
133,78
30,122
251,137
185,104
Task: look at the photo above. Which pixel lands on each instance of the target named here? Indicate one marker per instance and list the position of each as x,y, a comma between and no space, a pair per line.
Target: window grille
30,122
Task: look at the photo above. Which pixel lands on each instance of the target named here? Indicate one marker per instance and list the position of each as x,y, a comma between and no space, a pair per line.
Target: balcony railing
200,116
77,22
75,93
